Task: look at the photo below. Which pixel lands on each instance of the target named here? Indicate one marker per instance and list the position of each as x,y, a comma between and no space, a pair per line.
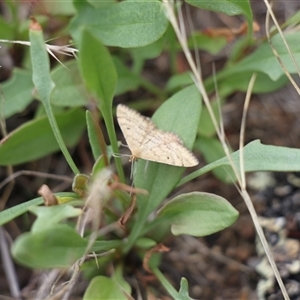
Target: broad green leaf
56,247
147,52
257,157
198,214
264,61
212,150
229,7
15,211
17,92
69,87
100,4
35,139
53,215
179,81
124,24
102,287
180,114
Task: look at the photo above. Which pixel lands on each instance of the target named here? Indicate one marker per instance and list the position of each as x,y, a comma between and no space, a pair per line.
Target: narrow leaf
257,157
13,212
44,84
98,70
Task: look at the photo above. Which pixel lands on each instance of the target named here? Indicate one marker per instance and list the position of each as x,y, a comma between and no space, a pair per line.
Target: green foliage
35,139
69,88
125,24
229,7
102,287
58,246
198,214
138,31
16,100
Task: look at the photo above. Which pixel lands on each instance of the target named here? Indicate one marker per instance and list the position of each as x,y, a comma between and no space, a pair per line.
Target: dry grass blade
240,177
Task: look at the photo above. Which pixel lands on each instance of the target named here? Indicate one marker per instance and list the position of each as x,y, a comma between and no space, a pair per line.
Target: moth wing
134,127
167,148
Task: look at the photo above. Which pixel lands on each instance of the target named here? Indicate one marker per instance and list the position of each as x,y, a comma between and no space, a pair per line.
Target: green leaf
180,114
118,277
60,8
17,92
40,66
35,139
56,247
92,134
198,214
102,287
15,211
212,45
69,87
179,81
140,54
293,20
240,82
127,80
184,289
6,30
147,52
212,149
100,76
53,214
44,84
105,245
229,7
124,24
145,243
206,127
98,70
257,157
264,61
